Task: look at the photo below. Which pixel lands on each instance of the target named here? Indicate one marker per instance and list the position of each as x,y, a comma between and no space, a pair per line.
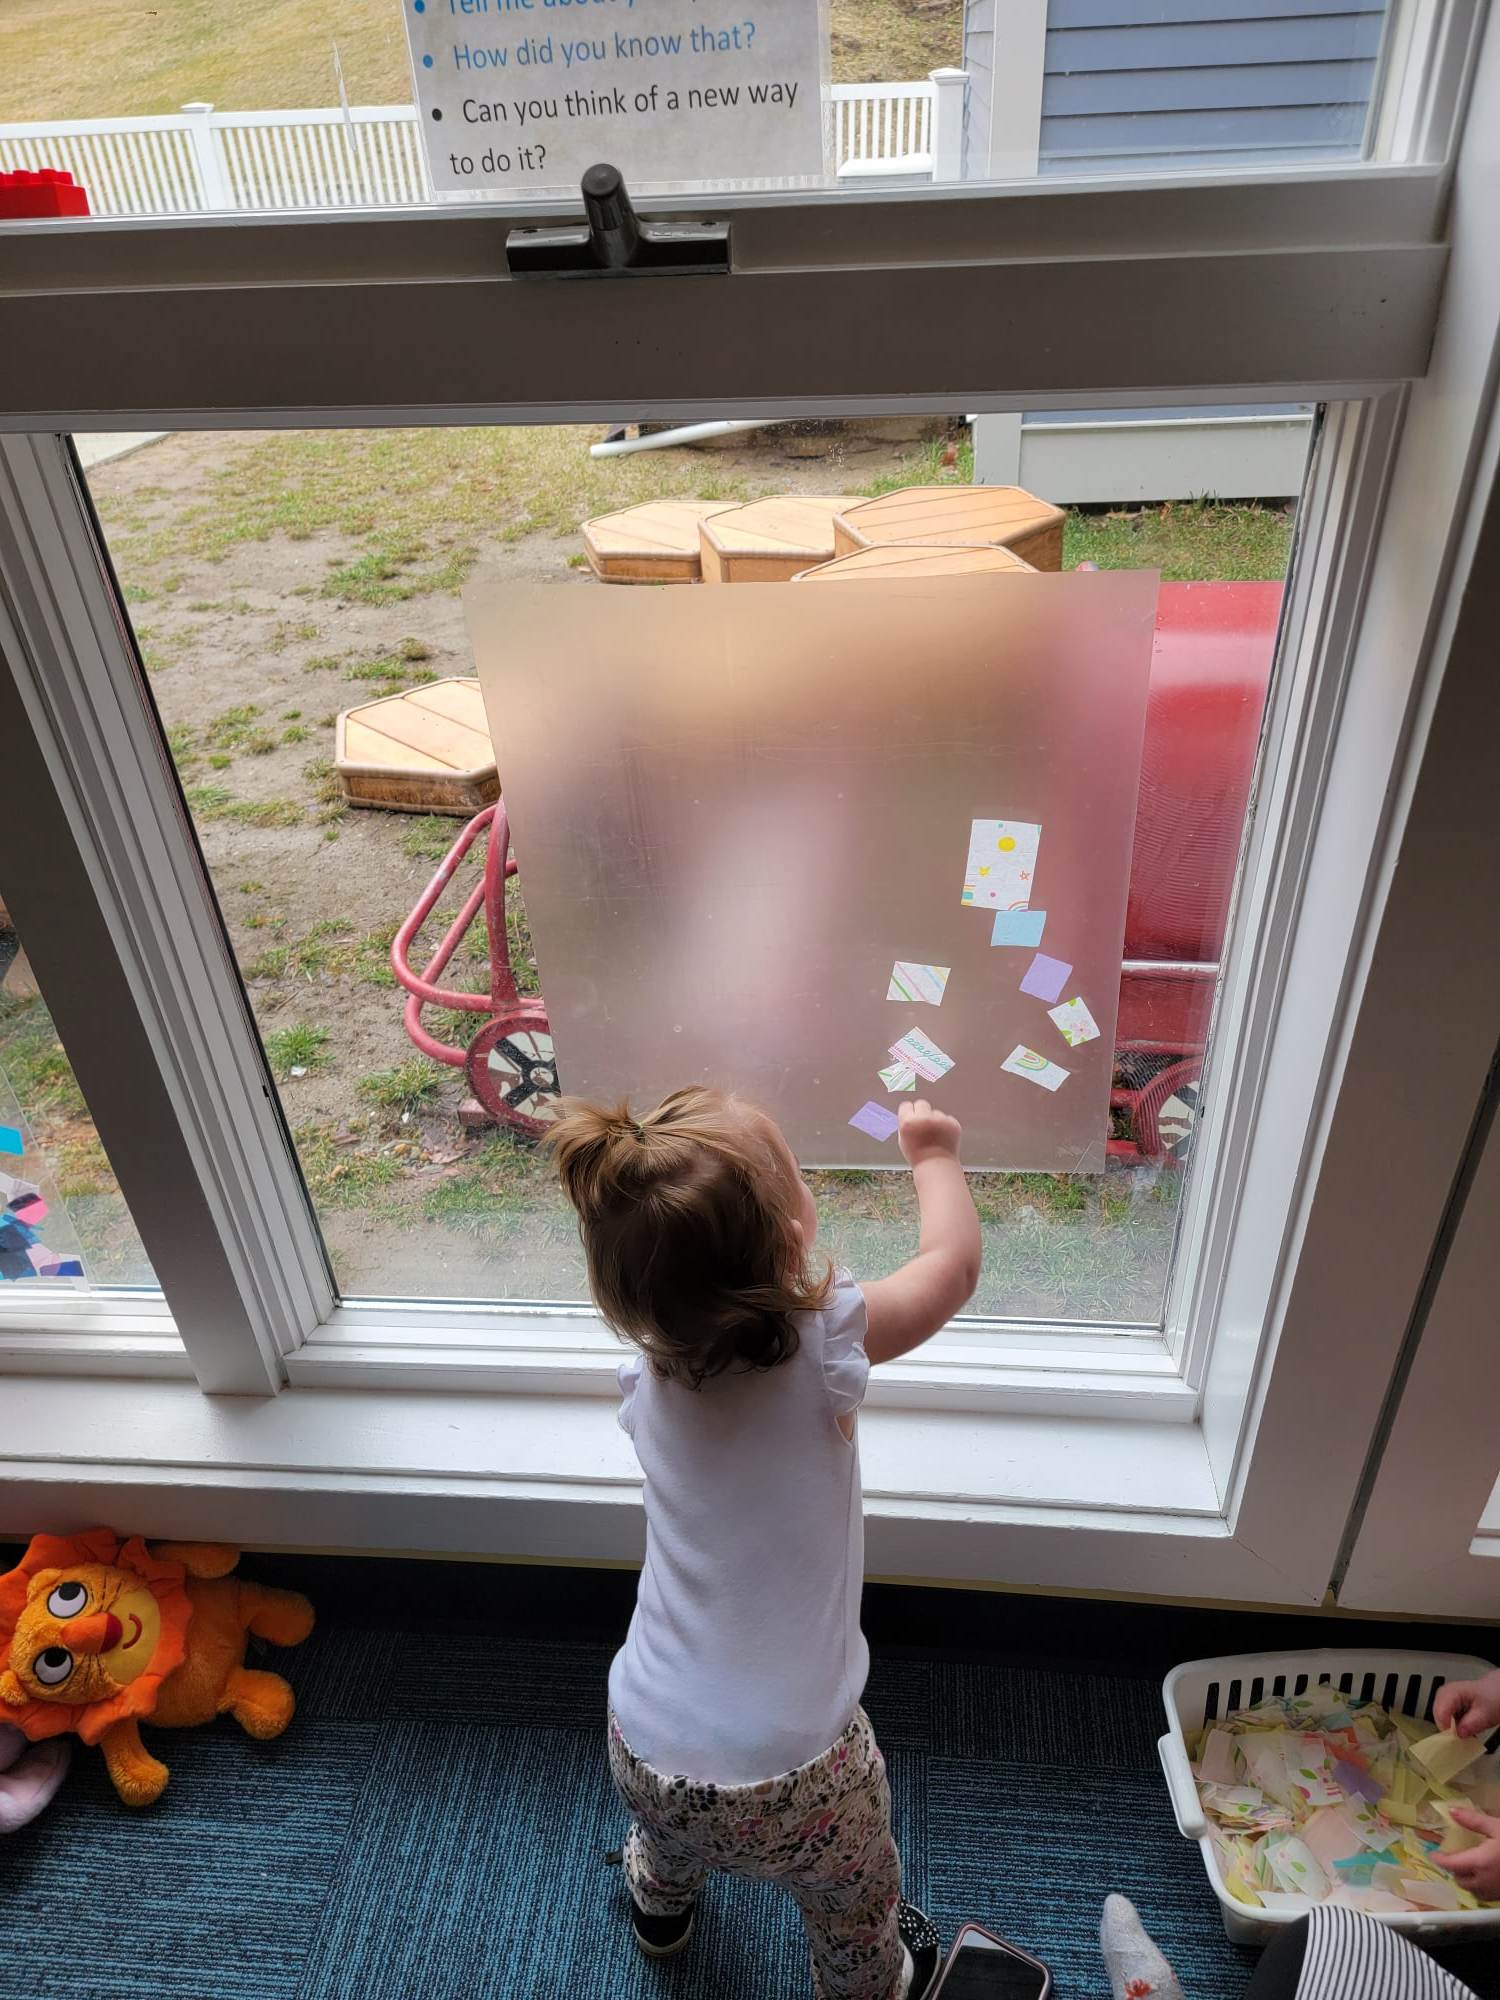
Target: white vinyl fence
201,160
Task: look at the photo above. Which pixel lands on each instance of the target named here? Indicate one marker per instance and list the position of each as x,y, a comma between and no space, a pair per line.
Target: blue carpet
434,1825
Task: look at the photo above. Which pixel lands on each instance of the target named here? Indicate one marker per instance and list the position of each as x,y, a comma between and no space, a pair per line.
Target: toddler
736,1736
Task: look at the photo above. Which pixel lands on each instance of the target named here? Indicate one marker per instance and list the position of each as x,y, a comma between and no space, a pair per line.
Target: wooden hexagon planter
1005,515
768,541
426,750
656,542
897,559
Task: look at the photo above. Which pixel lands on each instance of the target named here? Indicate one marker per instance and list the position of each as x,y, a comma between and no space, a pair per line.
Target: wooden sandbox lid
656,542
897,559
1006,515
425,750
768,541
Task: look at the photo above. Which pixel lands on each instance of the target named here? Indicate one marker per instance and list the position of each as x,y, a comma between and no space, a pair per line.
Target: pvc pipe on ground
683,434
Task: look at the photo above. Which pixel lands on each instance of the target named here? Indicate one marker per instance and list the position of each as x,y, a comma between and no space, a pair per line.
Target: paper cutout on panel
925,1057
1036,1069
876,1120
1074,1022
898,1076
1019,927
1046,977
1002,863
910,981
10,1140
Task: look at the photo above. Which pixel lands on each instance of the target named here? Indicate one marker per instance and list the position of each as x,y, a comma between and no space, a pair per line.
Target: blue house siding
1138,83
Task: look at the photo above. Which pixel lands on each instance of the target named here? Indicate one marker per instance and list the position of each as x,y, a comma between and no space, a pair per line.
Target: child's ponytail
687,1215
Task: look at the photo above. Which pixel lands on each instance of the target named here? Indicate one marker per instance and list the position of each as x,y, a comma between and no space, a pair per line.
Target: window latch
614,242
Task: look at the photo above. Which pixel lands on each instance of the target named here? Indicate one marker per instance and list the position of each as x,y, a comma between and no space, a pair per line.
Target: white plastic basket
1205,1689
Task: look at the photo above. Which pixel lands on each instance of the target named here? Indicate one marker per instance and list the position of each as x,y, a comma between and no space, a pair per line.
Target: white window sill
1028,1502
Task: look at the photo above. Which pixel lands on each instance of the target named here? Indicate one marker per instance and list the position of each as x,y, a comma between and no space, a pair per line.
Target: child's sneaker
919,1935
661,1937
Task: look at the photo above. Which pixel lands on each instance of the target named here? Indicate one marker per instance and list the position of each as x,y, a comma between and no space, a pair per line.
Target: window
335,375
320,573
325,115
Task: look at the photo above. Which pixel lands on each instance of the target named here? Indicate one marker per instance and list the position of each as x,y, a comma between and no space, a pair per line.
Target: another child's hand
1470,1707
1477,1869
925,1134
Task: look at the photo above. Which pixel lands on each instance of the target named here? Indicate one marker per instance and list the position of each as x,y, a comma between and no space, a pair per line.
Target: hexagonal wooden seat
1005,515
768,541
896,559
656,542
426,750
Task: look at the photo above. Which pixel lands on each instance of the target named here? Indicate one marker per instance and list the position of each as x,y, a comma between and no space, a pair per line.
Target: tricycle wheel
513,1072
1165,1115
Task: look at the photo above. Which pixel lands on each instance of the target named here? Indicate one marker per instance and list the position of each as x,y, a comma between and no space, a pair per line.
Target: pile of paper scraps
1317,1796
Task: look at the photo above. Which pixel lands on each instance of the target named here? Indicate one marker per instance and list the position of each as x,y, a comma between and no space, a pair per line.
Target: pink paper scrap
32,1211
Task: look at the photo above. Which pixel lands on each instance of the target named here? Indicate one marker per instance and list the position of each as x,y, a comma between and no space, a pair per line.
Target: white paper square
1036,1069
1074,1022
1001,864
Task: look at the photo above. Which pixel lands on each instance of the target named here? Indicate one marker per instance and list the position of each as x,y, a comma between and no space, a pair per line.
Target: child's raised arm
909,1306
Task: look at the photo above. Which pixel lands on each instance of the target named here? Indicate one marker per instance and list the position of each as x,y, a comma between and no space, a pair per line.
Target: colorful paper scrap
925,1057
1074,1022
1001,864
1444,1756
1036,1069
1019,927
911,981
10,1140
1046,977
876,1120
898,1076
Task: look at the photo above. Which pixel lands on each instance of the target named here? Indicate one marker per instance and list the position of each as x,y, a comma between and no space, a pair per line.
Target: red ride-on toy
1212,660
509,1063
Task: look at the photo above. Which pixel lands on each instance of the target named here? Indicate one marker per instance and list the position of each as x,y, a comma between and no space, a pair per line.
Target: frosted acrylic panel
736,806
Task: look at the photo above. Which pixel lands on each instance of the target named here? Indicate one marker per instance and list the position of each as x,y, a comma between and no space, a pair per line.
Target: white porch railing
201,159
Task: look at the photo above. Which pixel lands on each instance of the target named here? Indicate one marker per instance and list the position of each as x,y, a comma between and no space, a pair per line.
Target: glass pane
270,108
63,1220
297,603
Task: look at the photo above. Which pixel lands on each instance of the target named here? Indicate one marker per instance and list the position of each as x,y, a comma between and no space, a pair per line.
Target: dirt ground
255,636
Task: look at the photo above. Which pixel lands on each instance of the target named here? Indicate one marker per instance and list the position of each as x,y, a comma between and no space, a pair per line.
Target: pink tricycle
509,1063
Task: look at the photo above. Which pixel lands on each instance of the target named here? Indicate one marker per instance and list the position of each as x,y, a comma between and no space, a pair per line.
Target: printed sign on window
517,95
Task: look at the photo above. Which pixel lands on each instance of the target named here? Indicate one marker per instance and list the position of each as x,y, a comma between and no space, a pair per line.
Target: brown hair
688,1221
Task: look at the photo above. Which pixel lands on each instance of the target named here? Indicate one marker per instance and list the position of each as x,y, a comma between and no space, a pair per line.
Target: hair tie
639,1131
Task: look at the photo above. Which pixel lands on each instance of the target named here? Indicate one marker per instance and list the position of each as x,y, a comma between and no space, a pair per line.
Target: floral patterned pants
822,1831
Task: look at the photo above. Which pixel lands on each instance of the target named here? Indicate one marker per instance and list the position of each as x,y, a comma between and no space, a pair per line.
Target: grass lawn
76,59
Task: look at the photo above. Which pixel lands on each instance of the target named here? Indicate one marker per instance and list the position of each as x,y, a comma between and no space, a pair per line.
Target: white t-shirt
745,1656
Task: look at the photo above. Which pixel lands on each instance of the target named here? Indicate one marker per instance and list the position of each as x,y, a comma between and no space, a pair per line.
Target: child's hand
1470,1707
1477,1869
925,1134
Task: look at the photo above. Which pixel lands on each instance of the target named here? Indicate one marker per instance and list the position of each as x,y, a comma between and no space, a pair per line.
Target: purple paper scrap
1019,927
876,1120
1046,977
69,1268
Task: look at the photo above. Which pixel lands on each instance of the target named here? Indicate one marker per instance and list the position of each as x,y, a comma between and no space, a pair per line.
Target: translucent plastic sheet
738,808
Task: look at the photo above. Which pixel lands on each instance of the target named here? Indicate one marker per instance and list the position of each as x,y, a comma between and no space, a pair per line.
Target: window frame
312,1339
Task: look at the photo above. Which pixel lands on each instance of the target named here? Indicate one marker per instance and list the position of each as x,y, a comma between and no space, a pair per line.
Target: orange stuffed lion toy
98,1634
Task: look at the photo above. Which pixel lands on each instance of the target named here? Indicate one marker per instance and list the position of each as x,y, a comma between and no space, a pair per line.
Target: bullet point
436,113
427,62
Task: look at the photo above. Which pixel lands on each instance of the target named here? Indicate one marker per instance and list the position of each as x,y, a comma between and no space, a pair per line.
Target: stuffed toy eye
53,1667
67,1600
